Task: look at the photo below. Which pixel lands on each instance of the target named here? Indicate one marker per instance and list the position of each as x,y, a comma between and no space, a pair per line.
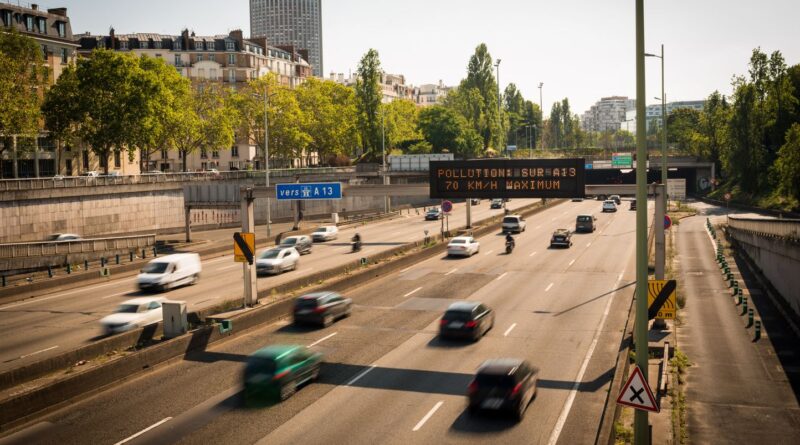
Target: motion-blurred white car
463,246
133,314
325,233
276,260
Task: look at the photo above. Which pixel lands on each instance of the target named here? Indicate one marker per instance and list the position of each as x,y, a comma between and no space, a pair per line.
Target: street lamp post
541,112
266,158
383,156
663,119
499,100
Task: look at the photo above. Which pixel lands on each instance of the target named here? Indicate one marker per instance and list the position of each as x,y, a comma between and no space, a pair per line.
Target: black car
497,203
633,204
433,214
301,243
617,200
321,308
466,319
562,238
585,223
504,384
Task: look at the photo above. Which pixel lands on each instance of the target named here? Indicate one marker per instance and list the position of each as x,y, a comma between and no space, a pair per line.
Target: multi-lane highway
50,324
387,378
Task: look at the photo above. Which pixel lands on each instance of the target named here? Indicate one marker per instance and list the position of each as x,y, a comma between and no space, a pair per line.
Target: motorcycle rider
356,242
510,240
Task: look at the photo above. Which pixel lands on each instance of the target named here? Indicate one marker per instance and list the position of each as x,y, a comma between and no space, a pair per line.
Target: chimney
237,35
111,43
34,6
58,11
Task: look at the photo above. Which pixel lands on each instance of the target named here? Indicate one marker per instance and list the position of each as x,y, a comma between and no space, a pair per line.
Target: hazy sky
580,49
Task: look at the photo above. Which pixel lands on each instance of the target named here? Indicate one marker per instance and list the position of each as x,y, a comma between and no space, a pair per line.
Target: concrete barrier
20,407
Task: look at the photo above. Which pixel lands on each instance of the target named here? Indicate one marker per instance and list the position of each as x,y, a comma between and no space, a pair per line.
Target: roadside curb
18,409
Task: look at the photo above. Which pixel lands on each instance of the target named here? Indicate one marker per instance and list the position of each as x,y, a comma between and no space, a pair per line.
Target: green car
278,370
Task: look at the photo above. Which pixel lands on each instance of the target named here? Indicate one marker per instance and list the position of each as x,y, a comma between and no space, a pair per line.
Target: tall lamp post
541,111
499,100
663,118
266,157
383,156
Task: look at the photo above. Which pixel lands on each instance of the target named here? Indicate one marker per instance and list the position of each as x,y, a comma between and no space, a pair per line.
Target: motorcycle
356,246
509,247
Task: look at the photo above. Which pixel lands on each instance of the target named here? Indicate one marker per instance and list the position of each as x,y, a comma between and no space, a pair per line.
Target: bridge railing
95,245
781,228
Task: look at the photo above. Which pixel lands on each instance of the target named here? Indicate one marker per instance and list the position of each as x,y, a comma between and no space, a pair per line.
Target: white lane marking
549,286
452,271
505,334
489,252
501,276
39,352
571,398
534,253
36,300
428,416
358,377
619,278
413,292
571,263
322,339
144,430
115,295
230,267
588,244
406,269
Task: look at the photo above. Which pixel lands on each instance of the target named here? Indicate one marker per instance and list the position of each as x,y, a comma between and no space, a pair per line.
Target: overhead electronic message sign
508,178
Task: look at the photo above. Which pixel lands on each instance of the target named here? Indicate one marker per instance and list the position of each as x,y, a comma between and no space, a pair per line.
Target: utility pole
640,421
499,101
383,155
541,112
266,158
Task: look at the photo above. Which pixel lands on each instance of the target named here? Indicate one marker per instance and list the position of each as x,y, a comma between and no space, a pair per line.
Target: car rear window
306,302
496,380
511,219
260,365
458,315
458,241
321,230
289,241
128,308
584,219
270,254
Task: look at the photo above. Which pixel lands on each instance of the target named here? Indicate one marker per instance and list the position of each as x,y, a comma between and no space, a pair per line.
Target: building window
229,46
177,45
42,25
123,44
29,24
64,56
44,51
62,29
6,18
164,154
204,166
215,154
231,76
86,160
203,154
210,46
235,151
117,159
231,59
157,44
143,44
178,60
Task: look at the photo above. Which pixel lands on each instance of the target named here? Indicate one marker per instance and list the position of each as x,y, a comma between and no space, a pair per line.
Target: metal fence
782,228
150,178
50,248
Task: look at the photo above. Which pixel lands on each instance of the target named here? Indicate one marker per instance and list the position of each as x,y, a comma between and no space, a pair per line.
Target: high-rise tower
290,22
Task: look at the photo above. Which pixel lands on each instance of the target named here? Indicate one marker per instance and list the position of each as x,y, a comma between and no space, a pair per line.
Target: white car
325,233
133,314
168,272
276,260
64,237
514,223
463,246
609,206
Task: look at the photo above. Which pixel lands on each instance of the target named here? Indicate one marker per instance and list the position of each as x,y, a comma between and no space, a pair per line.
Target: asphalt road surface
387,378
50,324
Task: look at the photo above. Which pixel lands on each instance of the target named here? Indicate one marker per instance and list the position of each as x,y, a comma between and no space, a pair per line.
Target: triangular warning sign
636,393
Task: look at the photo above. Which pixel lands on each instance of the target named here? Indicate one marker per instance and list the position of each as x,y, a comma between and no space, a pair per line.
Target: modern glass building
295,23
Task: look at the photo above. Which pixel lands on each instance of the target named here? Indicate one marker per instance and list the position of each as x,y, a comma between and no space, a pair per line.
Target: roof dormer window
143,44
230,45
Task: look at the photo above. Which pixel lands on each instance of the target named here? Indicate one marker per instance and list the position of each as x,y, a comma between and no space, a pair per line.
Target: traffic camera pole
641,433
469,213
249,270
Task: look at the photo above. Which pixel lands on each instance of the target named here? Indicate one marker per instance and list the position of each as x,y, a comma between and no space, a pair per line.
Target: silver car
325,233
277,260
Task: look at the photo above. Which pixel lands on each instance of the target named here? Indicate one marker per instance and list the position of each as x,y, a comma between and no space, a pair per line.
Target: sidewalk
738,390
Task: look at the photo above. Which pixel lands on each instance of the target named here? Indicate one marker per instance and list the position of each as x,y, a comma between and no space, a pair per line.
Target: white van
169,272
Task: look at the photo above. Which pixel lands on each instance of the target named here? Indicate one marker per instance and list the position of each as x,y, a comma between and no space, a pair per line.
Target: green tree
787,165
23,78
447,130
331,114
468,102
203,121
401,119
368,102
711,137
746,160
556,126
682,124
480,75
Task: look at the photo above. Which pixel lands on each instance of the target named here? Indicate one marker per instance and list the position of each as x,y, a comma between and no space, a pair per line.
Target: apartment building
431,94
608,114
393,86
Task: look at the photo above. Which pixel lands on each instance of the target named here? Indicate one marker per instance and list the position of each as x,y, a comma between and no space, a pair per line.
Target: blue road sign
588,166
309,191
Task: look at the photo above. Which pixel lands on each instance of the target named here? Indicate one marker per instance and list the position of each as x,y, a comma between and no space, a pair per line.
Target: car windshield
584,218
270,254
511,219
495,380
306,303
321,230
458,241
433,211
128,308
260,365
289,241
458,316
155,268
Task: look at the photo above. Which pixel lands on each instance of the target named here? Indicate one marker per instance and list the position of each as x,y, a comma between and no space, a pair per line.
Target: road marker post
85,264
750,317
758,330
744,305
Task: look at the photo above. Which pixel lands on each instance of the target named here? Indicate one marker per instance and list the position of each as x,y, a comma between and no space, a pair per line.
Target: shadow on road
593,299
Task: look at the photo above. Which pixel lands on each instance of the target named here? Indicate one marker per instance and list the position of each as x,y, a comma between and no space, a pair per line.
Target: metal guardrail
156,178
781,228
50,248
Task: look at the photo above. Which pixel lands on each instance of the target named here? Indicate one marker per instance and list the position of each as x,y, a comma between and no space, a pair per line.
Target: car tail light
473,387
280,375
471,324
516,389
319,309
443,322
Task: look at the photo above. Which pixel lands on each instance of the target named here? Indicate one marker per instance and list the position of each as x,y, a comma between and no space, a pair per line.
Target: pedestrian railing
97,245
781,228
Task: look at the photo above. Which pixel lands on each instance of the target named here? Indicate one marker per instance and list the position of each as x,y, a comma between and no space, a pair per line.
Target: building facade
51,29
295,23
431,94
230,60
653,113
608,114
393,86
